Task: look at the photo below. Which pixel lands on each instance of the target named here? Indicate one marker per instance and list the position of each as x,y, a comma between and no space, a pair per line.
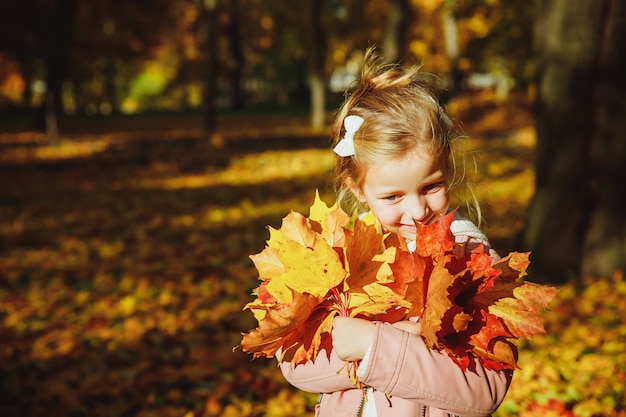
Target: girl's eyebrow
438,175
390,191
387,190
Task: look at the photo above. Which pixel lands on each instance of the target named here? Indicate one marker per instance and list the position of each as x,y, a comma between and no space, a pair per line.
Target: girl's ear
355,190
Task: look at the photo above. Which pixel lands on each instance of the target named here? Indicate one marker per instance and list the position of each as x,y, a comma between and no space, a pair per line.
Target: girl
393,145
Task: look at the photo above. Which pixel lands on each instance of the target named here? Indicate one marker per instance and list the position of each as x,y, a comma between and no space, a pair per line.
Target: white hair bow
345,147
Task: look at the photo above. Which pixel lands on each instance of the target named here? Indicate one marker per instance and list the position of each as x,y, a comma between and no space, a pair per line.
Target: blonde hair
401,113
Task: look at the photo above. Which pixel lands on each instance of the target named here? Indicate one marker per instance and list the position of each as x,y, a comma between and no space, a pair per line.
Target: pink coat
408,378
418,381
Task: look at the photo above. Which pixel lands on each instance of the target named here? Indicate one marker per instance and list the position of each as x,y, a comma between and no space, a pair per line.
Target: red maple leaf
436,238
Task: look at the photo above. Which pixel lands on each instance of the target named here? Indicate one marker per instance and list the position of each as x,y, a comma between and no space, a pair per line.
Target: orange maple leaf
282,325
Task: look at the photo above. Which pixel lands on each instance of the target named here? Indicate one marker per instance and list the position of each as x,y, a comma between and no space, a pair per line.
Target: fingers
352,337
409,326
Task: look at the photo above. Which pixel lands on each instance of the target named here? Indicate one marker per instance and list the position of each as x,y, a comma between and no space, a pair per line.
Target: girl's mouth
434,217
407,231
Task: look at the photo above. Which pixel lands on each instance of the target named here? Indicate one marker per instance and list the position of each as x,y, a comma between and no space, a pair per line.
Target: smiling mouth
428,221
407,231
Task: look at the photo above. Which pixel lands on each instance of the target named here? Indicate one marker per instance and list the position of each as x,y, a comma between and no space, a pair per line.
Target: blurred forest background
145,145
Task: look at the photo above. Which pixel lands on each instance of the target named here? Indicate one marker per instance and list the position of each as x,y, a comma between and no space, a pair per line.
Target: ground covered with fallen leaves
124,267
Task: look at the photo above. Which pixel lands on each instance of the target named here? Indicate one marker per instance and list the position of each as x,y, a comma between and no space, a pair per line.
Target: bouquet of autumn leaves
329,264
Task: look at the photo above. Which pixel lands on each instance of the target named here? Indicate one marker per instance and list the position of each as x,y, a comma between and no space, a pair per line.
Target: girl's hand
409,326
352,337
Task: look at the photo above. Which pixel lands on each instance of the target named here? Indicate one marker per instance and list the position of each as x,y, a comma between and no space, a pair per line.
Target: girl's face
406,191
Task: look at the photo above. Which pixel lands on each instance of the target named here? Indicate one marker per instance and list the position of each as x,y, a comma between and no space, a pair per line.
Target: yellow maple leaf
329,222
296,228
268,263
307,270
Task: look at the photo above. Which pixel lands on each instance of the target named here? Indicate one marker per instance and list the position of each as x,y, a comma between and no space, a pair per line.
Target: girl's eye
433,187
390,197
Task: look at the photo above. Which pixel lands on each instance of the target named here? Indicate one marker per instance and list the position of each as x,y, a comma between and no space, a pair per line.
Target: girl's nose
417,209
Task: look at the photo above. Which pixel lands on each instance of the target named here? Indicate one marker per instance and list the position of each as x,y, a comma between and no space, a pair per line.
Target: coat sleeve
326,374
401,365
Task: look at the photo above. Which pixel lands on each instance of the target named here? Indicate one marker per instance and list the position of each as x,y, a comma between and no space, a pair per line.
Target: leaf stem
340,301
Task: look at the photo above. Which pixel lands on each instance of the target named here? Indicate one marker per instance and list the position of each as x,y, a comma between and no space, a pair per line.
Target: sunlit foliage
579,368
148,55
124,268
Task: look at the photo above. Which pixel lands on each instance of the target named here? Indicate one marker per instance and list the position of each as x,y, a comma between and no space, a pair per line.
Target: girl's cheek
445,201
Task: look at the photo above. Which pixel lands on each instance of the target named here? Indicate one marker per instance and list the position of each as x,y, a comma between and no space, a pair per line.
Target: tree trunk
605,241
395,42
51,115
53,104
209,33
576,222
109,84
236,51
317,78
55,39
450,29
